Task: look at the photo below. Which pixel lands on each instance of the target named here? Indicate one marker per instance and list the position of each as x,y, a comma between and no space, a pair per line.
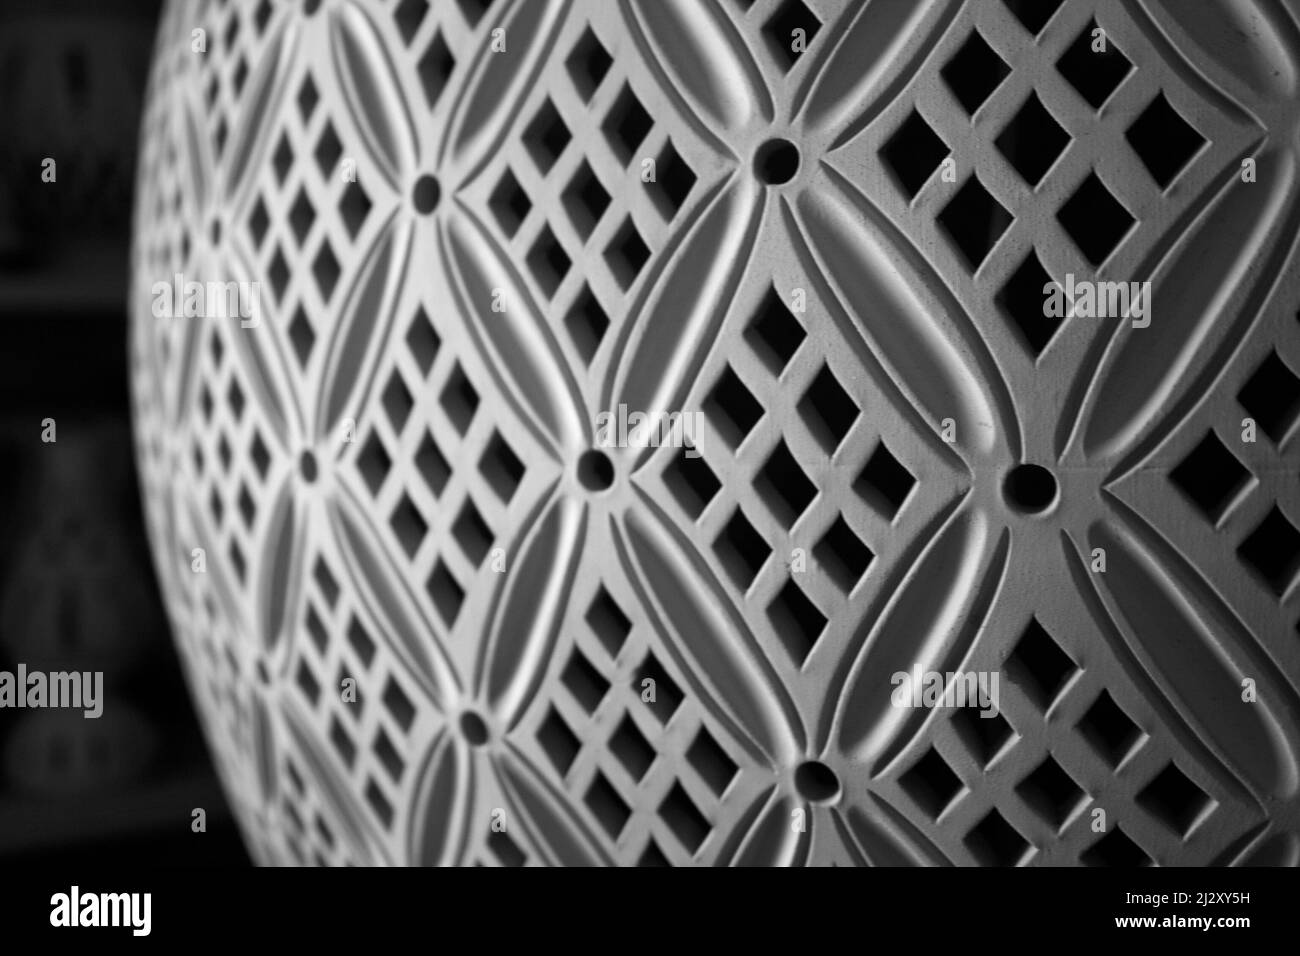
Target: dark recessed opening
307,466
473,729
310,6
595,470
425,195
216,232
816,782
776,162
1030,488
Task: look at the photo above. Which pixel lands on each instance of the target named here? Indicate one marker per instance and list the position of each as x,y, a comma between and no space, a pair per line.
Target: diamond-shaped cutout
278,274
842,555
548,261
1094,65
326,270
409,15
459,400
797,621
1051,793
397,402
546,137
586,322
974,72
684,819
627,125
301,216
398,704
558,741
608,622
775,334
1163,140
472,533
1022,301
1033,140
626,254
984,732
1115,849
587,685
408,525
931,784
884,483
711,762
1174,800
434,69
509,203
1040,666
662,695
631,748
828,410
501,468
1273,550
445,592
913,153
672,183
588,64
301,336
585,200
1110,731
259,455
258,223
974,221
1272,397
995,842
741,550
423,340
692,483
1033,14
1095,220
328,151
732,408
1211,477
432,466
374,463
790,31
362,643
308,97
354,207
784,487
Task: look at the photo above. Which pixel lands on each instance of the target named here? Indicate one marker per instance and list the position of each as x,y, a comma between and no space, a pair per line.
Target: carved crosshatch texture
840,266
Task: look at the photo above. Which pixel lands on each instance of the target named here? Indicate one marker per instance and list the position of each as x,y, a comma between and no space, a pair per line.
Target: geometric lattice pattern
434,626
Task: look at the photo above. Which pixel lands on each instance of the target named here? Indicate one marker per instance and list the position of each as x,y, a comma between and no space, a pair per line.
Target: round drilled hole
816,782
776,162
1030,488
473,729
307,467
425,195
595,470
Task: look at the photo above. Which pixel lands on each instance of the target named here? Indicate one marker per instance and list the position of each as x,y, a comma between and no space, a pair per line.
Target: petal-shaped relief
698,51
549,821
499,85
710,643
381,585
930,624
264,754
1208,290
1198,654
886,838
872,61
355,828
528,365
259,108
911,320
530,608
1256,44
443,799
679,320
279,582
362,332
375,102
771,839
